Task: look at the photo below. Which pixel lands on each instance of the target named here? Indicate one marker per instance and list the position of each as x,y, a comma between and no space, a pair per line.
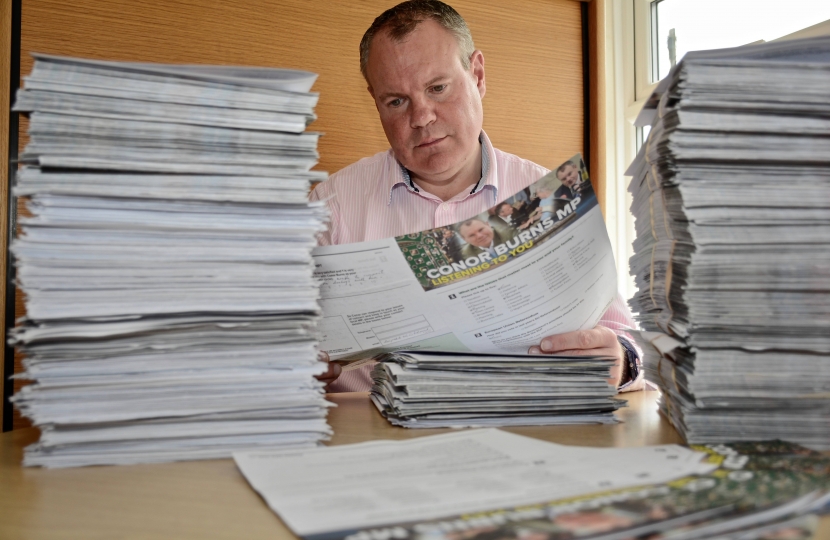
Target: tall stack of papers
732,255
429,389
166,262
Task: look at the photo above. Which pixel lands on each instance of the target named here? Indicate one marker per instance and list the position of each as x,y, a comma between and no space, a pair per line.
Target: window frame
643,39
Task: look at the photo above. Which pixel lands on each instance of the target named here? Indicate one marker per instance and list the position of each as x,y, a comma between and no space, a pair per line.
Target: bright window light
714,24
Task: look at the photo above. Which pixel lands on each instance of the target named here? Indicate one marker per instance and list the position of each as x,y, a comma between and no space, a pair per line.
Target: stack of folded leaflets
732,255
427,389
165,258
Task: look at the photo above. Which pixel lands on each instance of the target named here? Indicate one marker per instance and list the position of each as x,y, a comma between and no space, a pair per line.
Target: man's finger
334,370
331,374
578,339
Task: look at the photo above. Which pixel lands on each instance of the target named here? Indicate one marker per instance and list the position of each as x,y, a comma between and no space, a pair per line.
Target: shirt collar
486,179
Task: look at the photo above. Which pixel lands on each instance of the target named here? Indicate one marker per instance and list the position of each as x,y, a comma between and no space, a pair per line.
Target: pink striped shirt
374,199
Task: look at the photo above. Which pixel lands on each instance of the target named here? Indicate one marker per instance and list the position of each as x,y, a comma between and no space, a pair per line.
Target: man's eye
395,102
438,88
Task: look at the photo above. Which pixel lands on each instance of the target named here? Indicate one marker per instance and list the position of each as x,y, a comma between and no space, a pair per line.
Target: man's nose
422,113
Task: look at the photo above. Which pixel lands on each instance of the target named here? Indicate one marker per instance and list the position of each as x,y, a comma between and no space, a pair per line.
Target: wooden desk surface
211,499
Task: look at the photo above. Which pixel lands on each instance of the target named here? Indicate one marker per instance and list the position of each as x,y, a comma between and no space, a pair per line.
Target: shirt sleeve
618,318
355,380
320,193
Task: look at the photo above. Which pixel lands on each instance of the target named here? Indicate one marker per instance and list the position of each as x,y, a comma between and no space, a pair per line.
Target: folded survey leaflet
491,484
378,489
757,490
537,264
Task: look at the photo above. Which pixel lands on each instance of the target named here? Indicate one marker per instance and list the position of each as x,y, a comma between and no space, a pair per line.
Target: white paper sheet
344,488
414,291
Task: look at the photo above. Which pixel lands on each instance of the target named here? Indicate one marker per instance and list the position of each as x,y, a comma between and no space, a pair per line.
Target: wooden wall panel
532,52
532,49
5,67
597,89
533,64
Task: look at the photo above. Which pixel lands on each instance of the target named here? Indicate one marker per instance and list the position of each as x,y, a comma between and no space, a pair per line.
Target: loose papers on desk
330,493
731,195
547,272
165,258
755,491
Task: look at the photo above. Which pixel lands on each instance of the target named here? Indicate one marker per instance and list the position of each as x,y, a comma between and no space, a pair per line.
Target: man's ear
477,70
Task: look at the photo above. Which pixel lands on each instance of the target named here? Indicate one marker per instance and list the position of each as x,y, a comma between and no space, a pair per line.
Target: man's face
429,105
477,233
505,211
569,177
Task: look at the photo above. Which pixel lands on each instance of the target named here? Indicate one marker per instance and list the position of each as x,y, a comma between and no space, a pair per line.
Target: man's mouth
430,142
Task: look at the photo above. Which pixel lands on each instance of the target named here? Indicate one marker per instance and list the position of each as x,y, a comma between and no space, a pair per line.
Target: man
545,196
572,185
450,244
481,237
527,211
427,81
503,218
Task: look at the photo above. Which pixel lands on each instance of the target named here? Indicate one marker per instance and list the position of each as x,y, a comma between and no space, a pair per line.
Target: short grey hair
402,19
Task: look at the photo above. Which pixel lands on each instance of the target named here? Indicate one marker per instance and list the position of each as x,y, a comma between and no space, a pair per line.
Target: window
643,38
642,135
693,25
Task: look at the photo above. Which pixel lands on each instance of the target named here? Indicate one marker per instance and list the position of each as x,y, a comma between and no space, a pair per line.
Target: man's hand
600,341
332,373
